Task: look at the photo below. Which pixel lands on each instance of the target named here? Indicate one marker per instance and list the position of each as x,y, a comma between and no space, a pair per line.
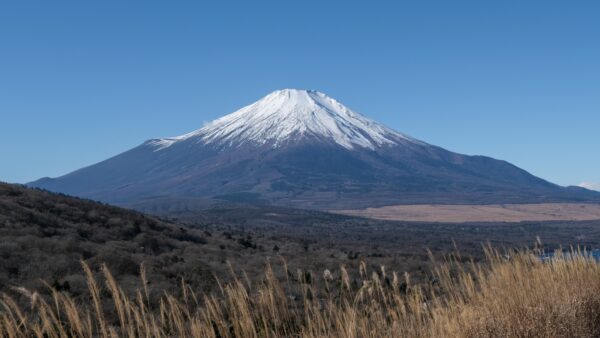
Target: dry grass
448,213
505,297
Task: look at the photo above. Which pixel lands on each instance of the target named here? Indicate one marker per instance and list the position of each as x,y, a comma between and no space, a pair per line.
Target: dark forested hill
45,236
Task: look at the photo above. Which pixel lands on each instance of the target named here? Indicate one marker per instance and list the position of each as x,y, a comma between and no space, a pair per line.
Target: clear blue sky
517,80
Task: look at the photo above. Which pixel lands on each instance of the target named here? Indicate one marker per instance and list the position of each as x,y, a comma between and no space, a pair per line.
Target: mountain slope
303,149
45,236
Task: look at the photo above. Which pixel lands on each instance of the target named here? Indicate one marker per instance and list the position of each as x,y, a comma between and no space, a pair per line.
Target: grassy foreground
504,297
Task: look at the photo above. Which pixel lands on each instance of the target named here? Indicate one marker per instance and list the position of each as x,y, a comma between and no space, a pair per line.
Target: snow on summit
290,114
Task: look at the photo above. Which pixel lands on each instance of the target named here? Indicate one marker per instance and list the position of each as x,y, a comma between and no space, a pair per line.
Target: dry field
510,295
481,213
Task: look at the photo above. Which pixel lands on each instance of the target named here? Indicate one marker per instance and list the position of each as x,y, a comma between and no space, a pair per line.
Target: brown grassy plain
481,213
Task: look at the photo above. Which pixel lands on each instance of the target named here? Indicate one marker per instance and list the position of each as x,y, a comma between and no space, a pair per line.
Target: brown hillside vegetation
507,296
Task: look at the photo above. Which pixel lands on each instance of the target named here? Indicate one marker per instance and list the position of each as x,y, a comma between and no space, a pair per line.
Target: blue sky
517,80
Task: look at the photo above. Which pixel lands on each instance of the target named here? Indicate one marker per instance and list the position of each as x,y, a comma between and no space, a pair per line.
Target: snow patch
590,185
288,114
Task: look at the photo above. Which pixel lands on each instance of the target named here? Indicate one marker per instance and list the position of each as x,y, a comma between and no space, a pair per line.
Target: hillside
44,236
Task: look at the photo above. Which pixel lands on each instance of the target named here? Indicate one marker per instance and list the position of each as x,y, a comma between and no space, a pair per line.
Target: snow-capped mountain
290,114
303,149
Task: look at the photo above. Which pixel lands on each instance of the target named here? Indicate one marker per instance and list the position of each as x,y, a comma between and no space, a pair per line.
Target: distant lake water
592,254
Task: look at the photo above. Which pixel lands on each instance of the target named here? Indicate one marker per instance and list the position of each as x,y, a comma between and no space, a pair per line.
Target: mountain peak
291,92
292,114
